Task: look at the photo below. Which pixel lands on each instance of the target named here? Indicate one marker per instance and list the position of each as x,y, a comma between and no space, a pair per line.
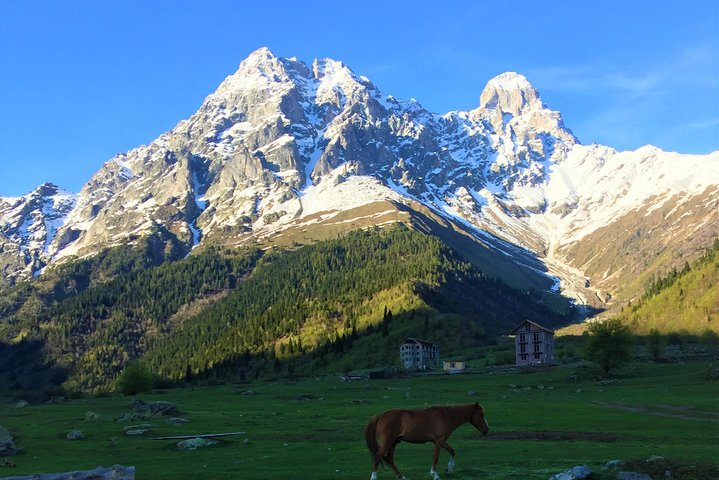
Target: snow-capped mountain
282,146
27,227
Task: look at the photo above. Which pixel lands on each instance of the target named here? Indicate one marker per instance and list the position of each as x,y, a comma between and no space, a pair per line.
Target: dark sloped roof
421,342
514,331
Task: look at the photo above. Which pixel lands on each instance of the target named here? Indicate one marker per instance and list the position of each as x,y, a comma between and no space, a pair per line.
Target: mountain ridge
281,142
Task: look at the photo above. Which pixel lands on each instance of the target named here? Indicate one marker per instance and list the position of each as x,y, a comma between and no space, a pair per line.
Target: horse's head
477,419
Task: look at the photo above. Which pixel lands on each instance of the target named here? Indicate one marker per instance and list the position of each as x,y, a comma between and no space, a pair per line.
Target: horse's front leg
450,464
435,459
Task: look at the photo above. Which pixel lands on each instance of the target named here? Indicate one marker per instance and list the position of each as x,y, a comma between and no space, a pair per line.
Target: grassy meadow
541,423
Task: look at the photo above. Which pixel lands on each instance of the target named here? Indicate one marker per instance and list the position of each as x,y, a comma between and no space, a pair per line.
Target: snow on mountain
281,141
28,224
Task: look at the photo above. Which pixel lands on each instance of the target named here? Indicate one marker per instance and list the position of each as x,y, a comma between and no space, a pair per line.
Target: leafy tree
609,344
135,378
656,344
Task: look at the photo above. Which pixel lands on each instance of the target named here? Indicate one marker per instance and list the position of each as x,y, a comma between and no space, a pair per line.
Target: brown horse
433,424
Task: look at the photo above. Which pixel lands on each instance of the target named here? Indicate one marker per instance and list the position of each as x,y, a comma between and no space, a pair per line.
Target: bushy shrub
609,344
135,378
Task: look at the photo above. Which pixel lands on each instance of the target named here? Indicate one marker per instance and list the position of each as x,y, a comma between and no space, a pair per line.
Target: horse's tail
370,436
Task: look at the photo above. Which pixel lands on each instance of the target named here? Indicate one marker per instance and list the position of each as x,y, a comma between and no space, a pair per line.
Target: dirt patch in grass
659,467
554,436
674,411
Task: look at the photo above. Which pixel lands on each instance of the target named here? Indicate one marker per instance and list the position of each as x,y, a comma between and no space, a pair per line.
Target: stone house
418,354
533,343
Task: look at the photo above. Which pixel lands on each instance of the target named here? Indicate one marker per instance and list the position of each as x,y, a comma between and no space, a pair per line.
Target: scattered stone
633,476
511,385
55,401
20,404
151,409
90,416
655,458
579,390
613,465
527,389
74,435
574,473
573,378
359,402
7,443
144,426
130,417
177,420
540,387
135,432
195,443
472,393
116,472
248,392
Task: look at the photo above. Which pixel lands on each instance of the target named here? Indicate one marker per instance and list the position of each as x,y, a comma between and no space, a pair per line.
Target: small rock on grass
90,416
7,443
177,421
574,473
195,443
74,435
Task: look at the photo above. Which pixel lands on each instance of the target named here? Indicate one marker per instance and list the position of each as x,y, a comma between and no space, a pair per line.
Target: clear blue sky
83,80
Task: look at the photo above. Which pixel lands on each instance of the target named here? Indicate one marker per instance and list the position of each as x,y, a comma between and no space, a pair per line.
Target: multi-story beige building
420,354
533,343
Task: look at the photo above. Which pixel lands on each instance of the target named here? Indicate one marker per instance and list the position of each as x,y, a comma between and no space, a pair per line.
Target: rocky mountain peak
261,70
511,93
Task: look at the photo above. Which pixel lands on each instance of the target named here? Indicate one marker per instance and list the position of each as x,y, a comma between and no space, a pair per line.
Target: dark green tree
135,378
609,344
655,344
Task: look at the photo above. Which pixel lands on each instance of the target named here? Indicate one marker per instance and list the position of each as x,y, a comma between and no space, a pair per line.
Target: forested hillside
685,300
339,304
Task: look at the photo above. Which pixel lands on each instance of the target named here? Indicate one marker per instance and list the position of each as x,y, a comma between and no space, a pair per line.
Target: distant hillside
339,304
685,300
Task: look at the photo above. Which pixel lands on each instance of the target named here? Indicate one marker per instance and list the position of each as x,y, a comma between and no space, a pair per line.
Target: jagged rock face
280,141
29,223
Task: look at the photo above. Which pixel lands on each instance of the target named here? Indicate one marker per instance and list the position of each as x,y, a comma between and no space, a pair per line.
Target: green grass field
551,421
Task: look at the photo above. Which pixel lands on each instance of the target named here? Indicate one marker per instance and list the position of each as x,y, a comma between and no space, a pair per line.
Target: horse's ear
476,405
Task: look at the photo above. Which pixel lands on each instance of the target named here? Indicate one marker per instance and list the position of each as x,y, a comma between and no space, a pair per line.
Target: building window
522,338
536,337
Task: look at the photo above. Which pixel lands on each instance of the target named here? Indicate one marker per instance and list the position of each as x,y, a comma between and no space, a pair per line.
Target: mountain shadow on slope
25,371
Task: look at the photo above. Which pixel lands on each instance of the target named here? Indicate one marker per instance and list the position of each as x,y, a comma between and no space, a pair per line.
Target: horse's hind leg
390,460
375,464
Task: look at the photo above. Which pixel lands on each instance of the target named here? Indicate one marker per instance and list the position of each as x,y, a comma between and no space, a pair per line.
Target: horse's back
414,426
